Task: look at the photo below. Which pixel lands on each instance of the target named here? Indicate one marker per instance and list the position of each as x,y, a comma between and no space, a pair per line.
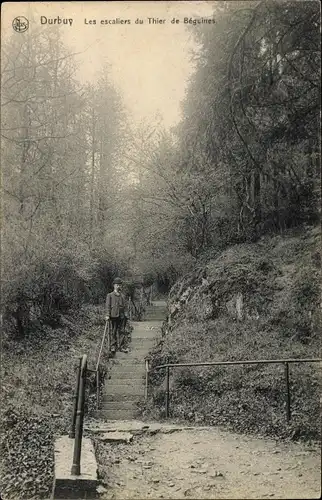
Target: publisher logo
20,24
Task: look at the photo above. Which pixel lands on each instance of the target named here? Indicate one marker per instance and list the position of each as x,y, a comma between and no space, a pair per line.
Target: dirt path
209,464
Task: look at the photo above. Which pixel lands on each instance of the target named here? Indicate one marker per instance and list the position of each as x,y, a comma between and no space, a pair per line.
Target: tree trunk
92,188
257,202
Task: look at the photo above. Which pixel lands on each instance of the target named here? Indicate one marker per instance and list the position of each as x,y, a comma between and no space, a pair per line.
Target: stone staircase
124,387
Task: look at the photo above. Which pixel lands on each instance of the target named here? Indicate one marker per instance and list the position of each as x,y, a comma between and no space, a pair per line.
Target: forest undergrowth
38,385
252,301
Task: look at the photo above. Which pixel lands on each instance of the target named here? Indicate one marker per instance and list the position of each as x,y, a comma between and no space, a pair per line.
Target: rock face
252,302
200,303
232,285
235,306
274,281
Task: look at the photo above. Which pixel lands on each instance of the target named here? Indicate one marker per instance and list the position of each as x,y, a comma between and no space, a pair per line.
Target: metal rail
284,362
72,427
250,362
108,332
77,425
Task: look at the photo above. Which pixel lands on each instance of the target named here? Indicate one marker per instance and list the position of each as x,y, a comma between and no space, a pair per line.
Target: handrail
285,362
147,369
247,362
72,427
106,330
75,470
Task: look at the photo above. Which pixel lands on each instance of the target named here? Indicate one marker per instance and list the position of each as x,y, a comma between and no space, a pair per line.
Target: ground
209,464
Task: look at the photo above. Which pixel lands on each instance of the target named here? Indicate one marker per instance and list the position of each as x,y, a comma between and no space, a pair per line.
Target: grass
38,384
260,301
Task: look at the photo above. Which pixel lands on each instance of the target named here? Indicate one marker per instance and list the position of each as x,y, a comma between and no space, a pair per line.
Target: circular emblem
20,24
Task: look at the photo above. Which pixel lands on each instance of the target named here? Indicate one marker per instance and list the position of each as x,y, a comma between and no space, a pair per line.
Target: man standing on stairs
115,313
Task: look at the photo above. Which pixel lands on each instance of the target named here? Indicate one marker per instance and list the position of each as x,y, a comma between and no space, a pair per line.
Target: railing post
288,396
72,427
130,309
109,337
97,388
146,378
167,390
75,471
102,343
106,330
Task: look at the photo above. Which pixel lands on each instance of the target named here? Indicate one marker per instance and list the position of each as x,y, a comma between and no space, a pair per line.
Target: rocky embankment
251,301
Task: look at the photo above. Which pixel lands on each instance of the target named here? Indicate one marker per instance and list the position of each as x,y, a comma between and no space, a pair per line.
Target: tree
55,198
261,65
240,162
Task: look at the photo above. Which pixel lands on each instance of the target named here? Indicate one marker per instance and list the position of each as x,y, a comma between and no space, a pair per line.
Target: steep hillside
252,301
38,376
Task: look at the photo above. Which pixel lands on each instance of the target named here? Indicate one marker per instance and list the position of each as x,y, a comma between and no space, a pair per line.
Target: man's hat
117,281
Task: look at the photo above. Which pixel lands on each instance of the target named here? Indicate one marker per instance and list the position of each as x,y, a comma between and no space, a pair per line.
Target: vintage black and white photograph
160,250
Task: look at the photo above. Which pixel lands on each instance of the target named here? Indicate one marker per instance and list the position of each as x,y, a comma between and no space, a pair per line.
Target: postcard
160,250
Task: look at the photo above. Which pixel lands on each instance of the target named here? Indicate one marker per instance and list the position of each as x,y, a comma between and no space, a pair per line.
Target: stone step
124,368
116,414
152,309
134,355
139,343
119,405
135,363
143,337
137,349
140,347
126,375
120,378
123,391
151,333
148,339
144,326
156,309
131,363
134,350
125,378
159,315
156,319
123,397
117,383
124,384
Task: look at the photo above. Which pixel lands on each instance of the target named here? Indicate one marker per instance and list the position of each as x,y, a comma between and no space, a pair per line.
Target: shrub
280,280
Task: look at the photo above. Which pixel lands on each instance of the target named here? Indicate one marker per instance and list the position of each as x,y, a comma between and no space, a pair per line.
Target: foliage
244,159
38,384
30,461
279,281
60,157
256,83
